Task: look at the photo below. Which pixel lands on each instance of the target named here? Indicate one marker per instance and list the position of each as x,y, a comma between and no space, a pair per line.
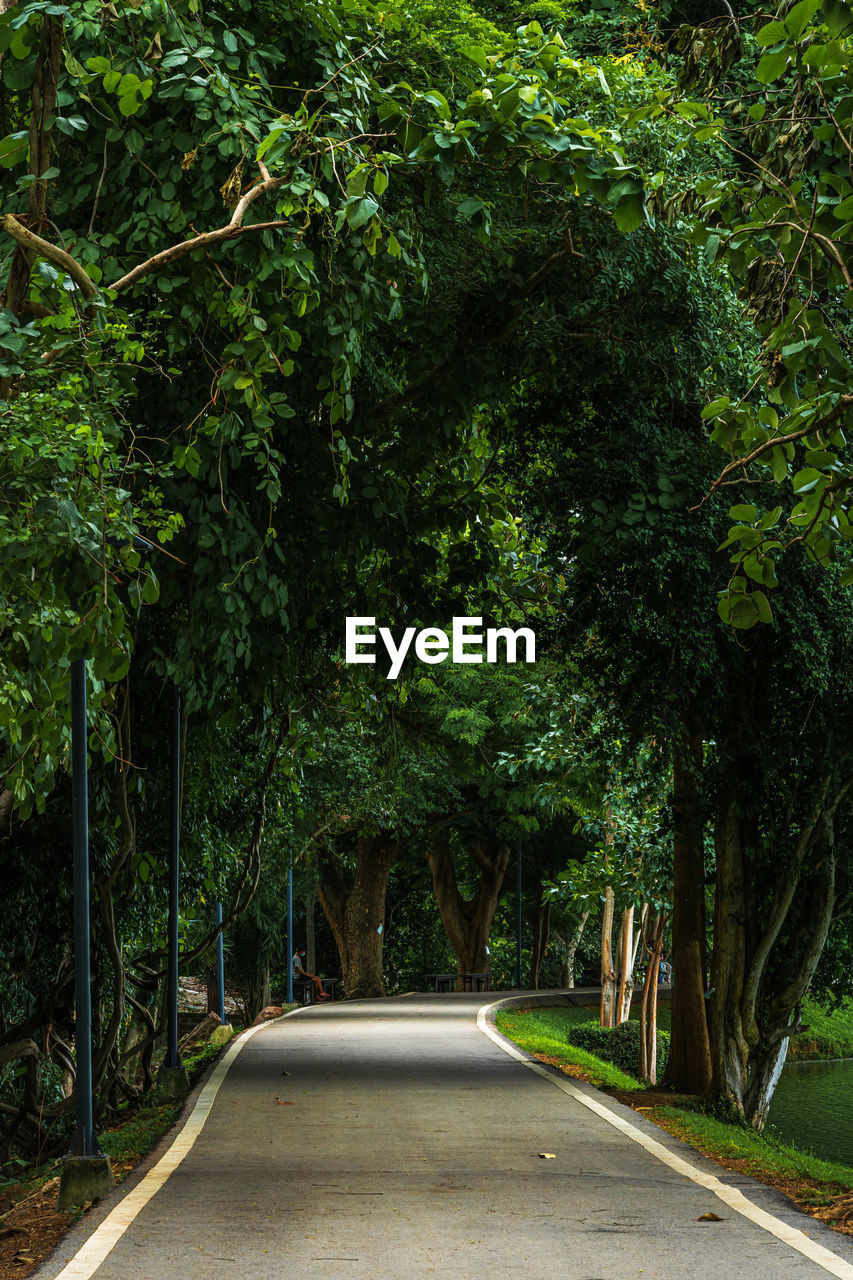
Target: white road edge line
106,1236
728,1194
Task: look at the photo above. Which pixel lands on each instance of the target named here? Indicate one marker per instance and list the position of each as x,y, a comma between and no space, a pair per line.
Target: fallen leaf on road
547,1155
710,1217
284,1104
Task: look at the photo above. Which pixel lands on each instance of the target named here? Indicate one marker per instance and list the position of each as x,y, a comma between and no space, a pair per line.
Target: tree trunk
649,1006
763,1081
310,930
761,972
608,973
541,933
626,965
568,967
355,912
689,1065
468,924
729,1047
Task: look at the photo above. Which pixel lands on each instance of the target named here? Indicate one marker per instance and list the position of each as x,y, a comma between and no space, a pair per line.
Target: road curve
394,1139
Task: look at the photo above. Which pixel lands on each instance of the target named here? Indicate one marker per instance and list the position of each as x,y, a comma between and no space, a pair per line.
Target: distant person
299,972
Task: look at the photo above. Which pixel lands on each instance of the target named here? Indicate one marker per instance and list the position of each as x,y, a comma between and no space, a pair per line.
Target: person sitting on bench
302,975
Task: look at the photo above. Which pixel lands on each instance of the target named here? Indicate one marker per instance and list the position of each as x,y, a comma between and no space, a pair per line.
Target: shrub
548,13
619,1045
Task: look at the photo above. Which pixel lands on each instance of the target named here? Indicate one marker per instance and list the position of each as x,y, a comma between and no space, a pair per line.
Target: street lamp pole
173,1059
290,947
172,1079
518,914
84,1141
86,1173
220,967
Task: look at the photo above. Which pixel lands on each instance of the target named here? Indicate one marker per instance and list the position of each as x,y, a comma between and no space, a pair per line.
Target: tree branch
52,252
228,232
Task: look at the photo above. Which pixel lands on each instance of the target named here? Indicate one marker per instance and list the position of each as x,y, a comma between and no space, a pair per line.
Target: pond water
813,1108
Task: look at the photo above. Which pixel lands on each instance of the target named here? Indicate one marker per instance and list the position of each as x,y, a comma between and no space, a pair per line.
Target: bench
470,981
476,982
441,981
303,990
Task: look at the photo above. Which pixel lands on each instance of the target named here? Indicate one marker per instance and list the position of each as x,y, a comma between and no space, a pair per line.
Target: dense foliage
529,311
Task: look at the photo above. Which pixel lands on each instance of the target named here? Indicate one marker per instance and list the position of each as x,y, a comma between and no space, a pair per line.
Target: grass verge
827,1034
543,1033
819,1187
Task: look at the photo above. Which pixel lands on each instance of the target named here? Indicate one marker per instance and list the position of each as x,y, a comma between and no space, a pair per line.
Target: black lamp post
220,967
290,947
86,1173
518,914
172,1079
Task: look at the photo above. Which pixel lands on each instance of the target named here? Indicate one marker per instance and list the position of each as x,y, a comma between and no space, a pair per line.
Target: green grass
764,1157
829,1035
139,1133
813,1181
544,1031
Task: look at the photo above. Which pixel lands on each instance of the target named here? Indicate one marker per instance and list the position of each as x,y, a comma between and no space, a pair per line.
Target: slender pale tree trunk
608,973
541,934
653,942
567,975
627,954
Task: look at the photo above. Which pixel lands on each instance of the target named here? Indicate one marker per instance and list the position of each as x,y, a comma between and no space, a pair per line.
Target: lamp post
290,947
86,1172
172,1078
220,967
518,914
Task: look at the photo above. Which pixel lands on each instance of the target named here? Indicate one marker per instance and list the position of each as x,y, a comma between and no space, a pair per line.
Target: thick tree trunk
468,924
754,1001
310,930
689,1066
356,912
729,1046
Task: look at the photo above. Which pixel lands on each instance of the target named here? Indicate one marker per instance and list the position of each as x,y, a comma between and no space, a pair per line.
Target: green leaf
772,66
631,213
478,55
800,16
713,409
762,605
360,210
745,512
836,15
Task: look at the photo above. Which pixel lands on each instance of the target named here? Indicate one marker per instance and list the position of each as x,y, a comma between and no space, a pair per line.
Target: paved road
402,1142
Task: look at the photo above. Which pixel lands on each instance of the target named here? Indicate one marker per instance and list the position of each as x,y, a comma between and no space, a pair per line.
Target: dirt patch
30,1229
31,1226
647,1099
